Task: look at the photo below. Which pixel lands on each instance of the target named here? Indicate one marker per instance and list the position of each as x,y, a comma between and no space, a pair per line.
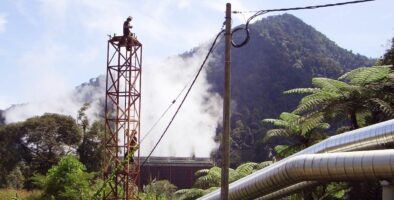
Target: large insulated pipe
371,137
289,190
343,166
384,133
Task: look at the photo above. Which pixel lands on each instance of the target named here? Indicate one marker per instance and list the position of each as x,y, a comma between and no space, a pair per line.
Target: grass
14,194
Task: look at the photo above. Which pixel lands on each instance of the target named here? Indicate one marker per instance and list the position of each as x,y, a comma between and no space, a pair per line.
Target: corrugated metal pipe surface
371,137
289,190
358,165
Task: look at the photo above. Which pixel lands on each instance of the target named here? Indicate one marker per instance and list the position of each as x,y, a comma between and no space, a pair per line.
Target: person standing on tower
126,30
127,27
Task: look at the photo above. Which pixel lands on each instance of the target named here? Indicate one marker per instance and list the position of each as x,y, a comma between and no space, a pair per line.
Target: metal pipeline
289,190
343,166
371,137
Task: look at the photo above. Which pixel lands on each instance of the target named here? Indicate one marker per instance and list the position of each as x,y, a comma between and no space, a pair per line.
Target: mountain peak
283,53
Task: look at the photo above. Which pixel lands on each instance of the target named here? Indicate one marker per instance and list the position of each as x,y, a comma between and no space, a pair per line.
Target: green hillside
283,53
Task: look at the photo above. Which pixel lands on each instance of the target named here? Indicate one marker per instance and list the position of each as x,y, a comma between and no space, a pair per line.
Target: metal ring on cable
246,40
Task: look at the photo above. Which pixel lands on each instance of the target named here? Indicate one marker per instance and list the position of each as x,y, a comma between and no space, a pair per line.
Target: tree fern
313,121
210,179
367,75
201,172
288,117
247,168
322,95
383,106
285,150
310,106
276,122
264,164
233,175
337,97
300,127
349,75
302,91
329,84
276,133
189,194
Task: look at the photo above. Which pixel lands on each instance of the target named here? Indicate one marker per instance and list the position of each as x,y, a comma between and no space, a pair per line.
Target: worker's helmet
130,18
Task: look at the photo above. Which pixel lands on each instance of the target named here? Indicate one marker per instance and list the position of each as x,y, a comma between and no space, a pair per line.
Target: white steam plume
193,130
68,104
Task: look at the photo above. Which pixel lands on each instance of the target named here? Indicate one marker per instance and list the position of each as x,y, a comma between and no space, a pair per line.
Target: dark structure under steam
178,170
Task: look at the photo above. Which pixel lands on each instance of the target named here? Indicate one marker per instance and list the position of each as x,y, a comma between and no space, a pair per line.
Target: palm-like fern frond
276,122
201,172
388,97
323,126
285,150
367,75
313,121
349,75
289,117
277,133
264,164
329,84
233,175
384,107
302,91
320,96
189,194
310,105
247,168
285,120
211,189
210,179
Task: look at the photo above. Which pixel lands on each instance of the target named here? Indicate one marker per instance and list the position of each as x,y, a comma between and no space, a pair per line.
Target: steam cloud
194,127
193,130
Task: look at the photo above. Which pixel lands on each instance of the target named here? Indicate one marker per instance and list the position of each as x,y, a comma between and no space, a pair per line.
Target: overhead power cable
261,12
164,113
173,101
171,104
187,93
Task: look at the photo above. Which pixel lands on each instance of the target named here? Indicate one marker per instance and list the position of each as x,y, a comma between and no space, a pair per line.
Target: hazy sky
50,46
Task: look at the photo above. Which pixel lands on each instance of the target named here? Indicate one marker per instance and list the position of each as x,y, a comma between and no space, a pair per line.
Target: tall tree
47,138
11,149
90,151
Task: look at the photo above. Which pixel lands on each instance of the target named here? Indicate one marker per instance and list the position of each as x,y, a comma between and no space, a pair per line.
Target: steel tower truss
121,166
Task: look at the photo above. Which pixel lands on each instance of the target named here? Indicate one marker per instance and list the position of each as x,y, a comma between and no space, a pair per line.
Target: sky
50,46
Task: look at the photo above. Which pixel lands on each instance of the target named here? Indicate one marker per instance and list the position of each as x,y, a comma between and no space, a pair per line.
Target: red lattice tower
122,118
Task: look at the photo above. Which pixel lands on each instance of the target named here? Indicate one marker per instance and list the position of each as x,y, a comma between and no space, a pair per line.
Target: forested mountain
283,53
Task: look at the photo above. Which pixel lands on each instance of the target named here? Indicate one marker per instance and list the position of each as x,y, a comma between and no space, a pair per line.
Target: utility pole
226,107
